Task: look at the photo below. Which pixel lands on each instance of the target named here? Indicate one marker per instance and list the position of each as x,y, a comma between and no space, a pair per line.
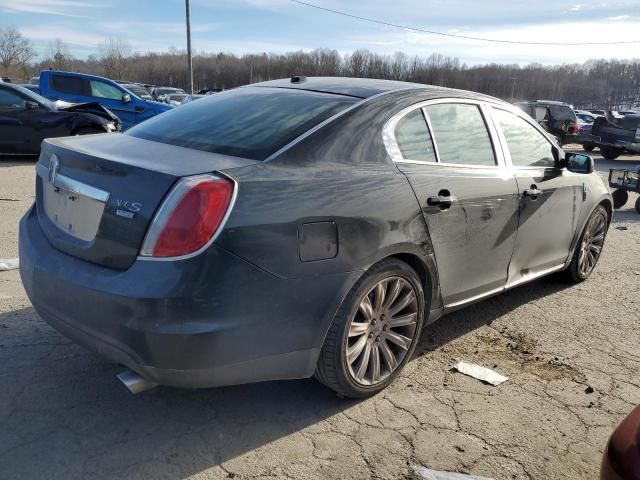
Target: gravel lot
63,414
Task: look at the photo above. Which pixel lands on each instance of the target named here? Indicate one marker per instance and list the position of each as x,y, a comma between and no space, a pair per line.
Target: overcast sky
243,26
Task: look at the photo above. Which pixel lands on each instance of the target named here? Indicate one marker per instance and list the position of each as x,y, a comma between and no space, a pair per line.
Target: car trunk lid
96,195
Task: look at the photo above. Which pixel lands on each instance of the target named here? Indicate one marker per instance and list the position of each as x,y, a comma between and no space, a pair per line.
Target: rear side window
71,85
527,146
413,137
461,134
250,122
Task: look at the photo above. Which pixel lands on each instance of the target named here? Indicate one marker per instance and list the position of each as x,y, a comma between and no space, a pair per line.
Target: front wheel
588,148
610,153
589,246
375,331
620,198
638,205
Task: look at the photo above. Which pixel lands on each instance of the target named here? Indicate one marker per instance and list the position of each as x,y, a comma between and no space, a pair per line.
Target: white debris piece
8,264
481,373
427,474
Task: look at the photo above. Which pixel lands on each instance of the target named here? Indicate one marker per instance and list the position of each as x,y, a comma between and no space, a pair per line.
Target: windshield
167,91
250,122
139,91
34,97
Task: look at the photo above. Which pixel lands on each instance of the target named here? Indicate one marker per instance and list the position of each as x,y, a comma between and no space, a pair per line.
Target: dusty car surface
621,460
300,227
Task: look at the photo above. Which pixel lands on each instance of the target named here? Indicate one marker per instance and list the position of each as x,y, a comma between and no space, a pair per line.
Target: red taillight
189,217
574,128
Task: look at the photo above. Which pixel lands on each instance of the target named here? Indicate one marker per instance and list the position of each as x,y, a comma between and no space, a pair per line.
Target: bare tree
113,54
59,54
15,50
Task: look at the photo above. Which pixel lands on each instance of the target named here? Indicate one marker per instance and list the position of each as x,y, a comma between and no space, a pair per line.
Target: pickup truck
615,135
81,88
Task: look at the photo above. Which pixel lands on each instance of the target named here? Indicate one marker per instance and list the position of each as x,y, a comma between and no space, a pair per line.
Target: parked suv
81,88
557,118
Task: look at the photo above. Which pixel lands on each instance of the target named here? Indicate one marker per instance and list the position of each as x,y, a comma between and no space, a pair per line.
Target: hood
93,108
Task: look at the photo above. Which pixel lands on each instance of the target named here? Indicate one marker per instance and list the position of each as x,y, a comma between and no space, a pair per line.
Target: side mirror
31,105
579,163
126,98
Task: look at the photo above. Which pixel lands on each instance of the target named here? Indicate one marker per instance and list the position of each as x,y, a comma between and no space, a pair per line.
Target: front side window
413,137
250,122
461,134
10,100
527,146
104,90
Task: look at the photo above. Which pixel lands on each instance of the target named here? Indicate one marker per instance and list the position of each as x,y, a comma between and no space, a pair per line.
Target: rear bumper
618,144
208,321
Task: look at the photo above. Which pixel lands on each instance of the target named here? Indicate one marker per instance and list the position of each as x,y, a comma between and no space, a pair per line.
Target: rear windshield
561,112
250,122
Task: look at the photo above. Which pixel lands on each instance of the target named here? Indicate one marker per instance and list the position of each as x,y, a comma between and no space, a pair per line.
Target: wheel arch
423,265
606,202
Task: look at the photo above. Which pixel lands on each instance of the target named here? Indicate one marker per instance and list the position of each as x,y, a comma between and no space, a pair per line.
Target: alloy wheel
381,331
592,243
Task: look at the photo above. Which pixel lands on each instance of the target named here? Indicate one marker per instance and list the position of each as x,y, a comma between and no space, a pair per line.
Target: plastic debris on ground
8,264
481,373
424,473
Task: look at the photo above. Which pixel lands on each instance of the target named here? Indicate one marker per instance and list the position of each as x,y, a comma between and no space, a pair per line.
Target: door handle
444,200
532,192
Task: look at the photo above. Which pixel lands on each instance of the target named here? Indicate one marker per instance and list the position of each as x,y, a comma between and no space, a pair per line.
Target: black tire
559,139
610,153
332,369
620,198
88,131
574,273
588,148
637,205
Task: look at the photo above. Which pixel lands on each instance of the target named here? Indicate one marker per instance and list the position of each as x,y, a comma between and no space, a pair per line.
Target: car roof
82,75
357,87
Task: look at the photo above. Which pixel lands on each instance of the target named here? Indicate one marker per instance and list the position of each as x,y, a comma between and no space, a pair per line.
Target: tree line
609,84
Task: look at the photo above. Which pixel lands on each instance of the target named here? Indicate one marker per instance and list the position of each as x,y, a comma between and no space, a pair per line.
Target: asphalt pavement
572,353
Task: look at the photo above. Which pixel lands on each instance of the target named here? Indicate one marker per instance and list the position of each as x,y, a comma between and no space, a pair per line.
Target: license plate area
72,212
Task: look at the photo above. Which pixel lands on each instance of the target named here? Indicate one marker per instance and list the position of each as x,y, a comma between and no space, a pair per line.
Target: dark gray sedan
300,227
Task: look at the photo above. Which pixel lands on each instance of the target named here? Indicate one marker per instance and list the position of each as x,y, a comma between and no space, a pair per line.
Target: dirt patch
511,351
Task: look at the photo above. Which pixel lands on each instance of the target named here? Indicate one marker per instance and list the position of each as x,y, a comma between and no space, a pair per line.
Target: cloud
63,8
126,28
576,8
619,17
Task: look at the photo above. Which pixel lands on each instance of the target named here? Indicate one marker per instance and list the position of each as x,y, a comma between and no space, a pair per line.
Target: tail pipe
134,382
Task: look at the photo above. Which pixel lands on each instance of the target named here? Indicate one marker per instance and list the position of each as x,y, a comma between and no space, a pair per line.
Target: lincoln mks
300,227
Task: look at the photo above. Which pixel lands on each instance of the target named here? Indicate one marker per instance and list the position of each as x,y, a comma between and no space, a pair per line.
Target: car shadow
59,402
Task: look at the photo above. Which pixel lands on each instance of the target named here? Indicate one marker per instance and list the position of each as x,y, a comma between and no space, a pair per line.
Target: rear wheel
620,198
590,245
588,148
638,204
375,331
610,153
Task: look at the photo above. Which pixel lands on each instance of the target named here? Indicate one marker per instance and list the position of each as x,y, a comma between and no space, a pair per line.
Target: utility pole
513,87
190,58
